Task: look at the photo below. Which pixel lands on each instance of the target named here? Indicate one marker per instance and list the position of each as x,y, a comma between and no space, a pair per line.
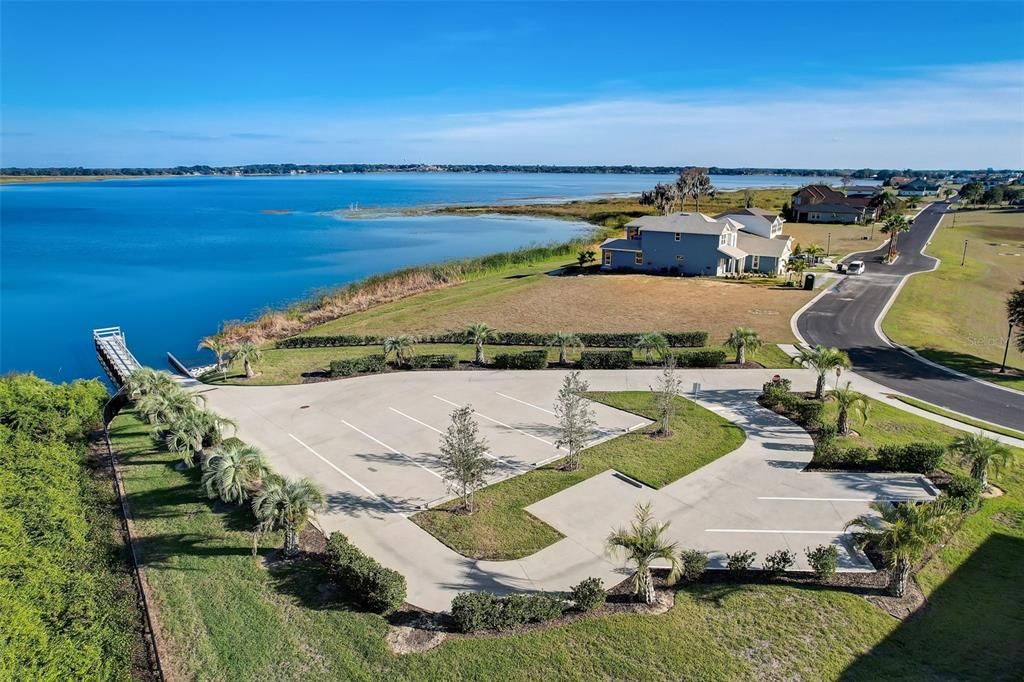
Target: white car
855,267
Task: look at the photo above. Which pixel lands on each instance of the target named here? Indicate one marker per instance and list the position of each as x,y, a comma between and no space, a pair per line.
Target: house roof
732,251
860,189
820,193
756,245
830,208
686,223
770,216
750,221
621,245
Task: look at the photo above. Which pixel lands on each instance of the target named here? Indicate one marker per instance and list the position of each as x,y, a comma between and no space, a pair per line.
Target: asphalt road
845,317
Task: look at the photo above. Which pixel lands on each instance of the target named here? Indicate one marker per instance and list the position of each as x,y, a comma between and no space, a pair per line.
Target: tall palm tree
563,341
902,533
250,355
642,544
894,225
981,454
847,401
741,340
219,346
286,503
479,334
651,344
402,346
822,360
233,472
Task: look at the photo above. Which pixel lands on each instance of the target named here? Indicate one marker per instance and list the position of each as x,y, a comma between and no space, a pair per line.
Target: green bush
701,358
590,339
808,411
531,359
608,359
588,594
779,562
773,392
381,589
964,491
695,563
921,458
824,560
441,361
369,364
740,561
475,611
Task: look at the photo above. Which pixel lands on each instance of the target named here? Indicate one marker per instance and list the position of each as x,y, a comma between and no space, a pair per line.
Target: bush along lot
695,339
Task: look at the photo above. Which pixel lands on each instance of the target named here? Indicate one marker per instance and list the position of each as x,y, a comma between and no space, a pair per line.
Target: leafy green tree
479,334
972,192
575,418
563,341
464,456
981,454
651,344
822,360
1015,314
847,400
741,340
250,355
641,545
234,471
401,346
902,533
286,504
584,257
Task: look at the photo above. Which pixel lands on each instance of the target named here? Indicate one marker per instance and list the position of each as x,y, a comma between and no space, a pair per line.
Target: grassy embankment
963,419
224,617
500,528
956,316
36,179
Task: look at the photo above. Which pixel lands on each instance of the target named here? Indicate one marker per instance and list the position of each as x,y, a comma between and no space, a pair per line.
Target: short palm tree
286,503
166,405
822,360
250,355
741,340
642,544
902,533
796,266
146,381
982,454
402,346
218,346
847,401
894,225
479,334
651,344
185,436
563,341
233,472
815,251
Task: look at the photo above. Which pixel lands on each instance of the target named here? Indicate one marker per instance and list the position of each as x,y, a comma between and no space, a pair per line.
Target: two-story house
822,204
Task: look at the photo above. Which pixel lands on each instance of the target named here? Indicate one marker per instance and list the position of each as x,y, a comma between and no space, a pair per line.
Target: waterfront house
862,191
918,187
822,204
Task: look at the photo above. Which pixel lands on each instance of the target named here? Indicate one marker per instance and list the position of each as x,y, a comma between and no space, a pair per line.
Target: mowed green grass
500,528
956,316
963,419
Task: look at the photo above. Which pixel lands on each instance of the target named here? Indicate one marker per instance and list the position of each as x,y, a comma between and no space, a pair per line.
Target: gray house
696,244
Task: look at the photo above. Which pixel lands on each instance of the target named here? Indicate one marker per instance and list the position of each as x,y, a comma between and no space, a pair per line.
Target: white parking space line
536,407
755,530
424,424
394,450
507,426
363,487
841,499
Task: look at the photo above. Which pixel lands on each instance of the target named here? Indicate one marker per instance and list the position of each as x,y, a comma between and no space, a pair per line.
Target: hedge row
379,588
531,359
590,339
441,361
475,611
607,359
349,366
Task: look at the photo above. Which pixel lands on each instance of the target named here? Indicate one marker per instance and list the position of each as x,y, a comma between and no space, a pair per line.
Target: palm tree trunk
561,356
647,587
819,390
900,577
741,354
291,541
249,374
843,422
480,354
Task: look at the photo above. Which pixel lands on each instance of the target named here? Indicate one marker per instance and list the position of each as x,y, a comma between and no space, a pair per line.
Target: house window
678,236
607,257
755,262
638,258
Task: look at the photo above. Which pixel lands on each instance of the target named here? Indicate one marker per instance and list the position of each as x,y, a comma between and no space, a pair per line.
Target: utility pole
828,247
1006,348
963,258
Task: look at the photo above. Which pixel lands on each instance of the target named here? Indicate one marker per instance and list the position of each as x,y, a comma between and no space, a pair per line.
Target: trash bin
809,281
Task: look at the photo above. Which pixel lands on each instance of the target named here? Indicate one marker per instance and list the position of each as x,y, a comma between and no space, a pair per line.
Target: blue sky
731,84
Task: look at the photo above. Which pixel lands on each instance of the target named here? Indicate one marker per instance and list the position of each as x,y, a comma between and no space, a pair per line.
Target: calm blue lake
168,259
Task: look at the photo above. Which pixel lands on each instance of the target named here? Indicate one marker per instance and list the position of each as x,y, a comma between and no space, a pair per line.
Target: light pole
828,246
1006,348
963,258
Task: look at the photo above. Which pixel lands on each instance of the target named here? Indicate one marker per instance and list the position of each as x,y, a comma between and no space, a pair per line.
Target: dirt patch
993,491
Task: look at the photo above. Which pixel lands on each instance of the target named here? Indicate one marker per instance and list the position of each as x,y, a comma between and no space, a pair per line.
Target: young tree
218,345
1015,314
402,346
902,533
464,456
286,503
563,341
651,344
847,401
665,393
981,454
795,266
642,544
822,360
584,257
479,334
250,355
894,226
741,340
145,381
234,472
575,418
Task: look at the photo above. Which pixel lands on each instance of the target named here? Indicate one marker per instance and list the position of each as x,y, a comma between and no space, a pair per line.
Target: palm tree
815,251
250,355
847,401
642,544
796,266
479,334
981,453
893,226
233,472
902,533
651,344
218,345
402,346
563,341
285,503
822,360
145,381
741,340
185,436
167,404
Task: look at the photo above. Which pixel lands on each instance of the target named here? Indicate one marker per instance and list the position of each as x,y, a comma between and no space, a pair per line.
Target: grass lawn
963,419
501,529
956,316
845,238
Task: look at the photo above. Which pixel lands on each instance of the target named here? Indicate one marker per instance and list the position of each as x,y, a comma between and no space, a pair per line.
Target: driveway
848,316
371,443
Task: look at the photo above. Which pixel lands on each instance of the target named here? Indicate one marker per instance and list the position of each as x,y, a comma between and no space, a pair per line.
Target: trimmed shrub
964,491
701,358
695,563
474,611
588,594
808,412
349,366
740,561
531,359
855,458
696,339
443,361
779,562
824,560
920,458
608,359
379,588
772,392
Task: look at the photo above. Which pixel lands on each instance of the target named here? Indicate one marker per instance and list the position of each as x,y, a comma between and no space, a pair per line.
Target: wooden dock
114,357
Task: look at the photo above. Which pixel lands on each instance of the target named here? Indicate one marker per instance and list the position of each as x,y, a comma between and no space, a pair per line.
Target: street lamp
828,247
1006,348
963,258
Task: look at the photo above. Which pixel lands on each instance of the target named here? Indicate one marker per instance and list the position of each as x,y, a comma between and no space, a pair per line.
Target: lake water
168,259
